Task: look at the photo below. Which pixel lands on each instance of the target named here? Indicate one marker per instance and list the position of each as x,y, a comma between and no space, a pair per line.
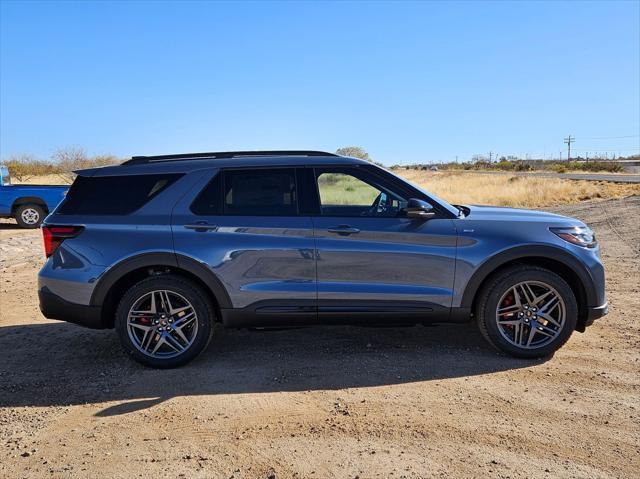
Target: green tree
354,151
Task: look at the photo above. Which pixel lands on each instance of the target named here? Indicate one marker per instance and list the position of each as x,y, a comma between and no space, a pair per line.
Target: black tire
499,284
29,216
193,293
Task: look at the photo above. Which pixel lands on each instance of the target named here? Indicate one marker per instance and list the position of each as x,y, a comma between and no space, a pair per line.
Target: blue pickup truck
28,204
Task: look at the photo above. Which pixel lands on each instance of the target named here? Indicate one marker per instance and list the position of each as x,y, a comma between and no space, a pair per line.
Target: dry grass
52,179
507,190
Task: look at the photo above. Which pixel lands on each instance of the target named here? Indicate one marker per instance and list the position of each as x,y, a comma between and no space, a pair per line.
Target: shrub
558,168
63,162
23,167
608,166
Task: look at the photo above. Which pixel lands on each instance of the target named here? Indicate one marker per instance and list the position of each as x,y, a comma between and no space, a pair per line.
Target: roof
135,160
186,164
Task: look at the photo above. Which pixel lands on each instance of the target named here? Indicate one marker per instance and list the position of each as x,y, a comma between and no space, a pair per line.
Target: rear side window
113,195
261,192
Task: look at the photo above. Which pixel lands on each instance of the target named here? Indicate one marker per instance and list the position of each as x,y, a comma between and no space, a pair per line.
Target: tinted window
209,201
346,193
113,195
260,192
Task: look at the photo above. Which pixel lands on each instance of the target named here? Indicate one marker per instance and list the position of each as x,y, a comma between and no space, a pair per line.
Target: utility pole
568,140
490,156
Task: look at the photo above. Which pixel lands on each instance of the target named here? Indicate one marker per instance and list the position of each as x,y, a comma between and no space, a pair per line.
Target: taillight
54,236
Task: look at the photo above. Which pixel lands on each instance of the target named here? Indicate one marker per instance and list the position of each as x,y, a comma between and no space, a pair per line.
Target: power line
607,137
608,149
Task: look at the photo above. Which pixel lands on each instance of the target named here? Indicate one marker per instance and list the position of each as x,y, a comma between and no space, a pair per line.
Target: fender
201,271
25,200
528,251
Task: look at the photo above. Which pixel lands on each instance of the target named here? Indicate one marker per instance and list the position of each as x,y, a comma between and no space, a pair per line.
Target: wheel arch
29,200
117,279
556,260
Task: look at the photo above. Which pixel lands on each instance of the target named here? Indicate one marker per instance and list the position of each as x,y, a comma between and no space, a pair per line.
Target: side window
349,194
260,192
113,195
209,200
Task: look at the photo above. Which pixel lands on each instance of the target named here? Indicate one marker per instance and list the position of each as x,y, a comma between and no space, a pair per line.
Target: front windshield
449,207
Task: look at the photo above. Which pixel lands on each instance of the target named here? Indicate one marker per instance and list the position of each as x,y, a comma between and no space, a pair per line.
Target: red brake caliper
508,301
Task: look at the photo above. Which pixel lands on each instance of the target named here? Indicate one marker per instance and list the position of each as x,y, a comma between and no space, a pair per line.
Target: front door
245,225
372,259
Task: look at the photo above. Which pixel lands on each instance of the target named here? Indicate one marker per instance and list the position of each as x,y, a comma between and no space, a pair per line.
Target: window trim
314,195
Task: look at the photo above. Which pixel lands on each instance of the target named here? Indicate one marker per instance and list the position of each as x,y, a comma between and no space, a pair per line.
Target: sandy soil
324,402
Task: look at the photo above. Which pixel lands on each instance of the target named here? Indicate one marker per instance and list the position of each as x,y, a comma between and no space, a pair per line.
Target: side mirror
419,209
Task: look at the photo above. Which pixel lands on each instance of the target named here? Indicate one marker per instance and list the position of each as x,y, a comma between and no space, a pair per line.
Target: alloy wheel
530,314
30,216
162,324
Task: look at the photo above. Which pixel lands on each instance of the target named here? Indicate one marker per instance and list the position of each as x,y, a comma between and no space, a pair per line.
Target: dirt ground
324,402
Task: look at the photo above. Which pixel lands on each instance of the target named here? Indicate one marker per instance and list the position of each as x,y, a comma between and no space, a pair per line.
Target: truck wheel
29,216
527,311
164,321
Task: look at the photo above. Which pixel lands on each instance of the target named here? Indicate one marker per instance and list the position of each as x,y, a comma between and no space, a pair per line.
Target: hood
498,213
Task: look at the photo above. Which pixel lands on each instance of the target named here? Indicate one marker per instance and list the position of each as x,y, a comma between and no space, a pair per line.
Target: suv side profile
161,248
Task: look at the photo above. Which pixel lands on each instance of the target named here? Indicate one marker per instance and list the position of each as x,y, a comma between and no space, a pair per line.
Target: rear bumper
54,307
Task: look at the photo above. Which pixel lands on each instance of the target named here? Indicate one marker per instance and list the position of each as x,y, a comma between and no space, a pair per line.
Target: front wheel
527,311
164,321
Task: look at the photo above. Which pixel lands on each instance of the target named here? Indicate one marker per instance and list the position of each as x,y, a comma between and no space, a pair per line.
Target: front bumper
54,307
595,313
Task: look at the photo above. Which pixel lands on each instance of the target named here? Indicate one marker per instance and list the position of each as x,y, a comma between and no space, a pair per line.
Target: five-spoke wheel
29,215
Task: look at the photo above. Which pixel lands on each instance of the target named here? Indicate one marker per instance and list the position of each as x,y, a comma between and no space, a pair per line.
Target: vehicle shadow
5,225
56,363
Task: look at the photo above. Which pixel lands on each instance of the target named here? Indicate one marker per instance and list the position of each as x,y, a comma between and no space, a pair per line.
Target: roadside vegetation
59,168
455,182
516,165
516,191
332,187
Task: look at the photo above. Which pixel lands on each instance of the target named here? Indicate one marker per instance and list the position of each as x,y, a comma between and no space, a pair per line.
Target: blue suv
161,248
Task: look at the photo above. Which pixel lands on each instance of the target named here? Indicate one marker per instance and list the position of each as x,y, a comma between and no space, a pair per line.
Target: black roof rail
138,160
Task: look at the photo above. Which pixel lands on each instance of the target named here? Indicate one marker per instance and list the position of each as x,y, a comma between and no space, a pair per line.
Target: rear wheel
164,321
527,311
29,216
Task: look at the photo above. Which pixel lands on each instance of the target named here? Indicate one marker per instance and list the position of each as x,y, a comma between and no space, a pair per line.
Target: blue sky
407,81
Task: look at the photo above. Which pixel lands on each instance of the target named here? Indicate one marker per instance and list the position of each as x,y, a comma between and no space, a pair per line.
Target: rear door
373,260
246,226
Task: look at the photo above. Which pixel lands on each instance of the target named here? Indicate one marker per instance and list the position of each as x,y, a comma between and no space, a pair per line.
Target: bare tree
74,158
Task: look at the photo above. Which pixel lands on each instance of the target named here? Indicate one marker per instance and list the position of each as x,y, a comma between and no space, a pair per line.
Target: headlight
578,235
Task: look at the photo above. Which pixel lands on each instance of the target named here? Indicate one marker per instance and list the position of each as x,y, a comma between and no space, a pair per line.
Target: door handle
201,226
344,230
